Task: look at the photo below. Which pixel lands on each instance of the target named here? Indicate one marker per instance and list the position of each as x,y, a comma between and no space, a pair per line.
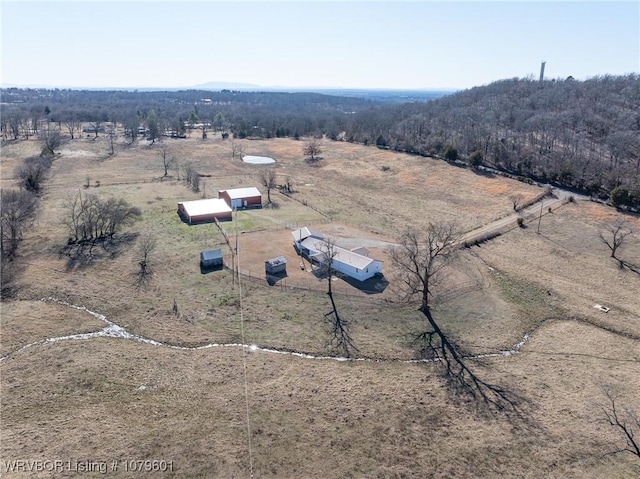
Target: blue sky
347,44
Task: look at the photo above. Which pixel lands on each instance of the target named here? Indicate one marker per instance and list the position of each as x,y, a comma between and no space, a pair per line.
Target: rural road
559,198
498,226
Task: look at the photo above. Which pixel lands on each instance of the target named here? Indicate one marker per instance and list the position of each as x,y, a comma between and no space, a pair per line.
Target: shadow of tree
83,253
630,266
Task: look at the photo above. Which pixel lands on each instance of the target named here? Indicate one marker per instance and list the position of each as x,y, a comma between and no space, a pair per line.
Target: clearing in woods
109,397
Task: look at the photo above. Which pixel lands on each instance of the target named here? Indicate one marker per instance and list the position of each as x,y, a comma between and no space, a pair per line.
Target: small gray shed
211,258
276,265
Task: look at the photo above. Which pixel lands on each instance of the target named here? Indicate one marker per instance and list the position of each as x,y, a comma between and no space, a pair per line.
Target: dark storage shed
211,258
276,265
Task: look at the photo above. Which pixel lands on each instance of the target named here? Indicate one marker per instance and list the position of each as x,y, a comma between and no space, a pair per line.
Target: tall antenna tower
542,71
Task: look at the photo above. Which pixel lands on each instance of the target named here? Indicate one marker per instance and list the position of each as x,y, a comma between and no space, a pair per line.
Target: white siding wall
359,274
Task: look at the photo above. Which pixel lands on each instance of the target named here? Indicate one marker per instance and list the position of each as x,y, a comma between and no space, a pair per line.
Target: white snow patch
78,153
258,160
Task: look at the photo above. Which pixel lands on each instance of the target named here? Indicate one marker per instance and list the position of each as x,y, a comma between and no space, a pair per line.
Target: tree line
242,114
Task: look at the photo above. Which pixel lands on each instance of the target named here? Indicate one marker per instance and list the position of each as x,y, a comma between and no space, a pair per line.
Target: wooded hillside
577,134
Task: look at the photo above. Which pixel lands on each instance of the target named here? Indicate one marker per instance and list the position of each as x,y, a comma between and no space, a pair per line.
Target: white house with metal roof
355,263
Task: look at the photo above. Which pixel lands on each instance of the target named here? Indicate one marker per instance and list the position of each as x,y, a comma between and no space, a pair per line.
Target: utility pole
540,217
235,250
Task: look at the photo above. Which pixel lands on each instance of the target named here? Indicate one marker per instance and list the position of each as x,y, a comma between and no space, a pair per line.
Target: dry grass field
184,398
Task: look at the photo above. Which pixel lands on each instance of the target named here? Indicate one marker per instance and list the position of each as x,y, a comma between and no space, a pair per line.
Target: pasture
183,398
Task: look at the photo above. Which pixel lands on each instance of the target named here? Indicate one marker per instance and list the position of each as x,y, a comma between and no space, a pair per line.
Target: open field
106,398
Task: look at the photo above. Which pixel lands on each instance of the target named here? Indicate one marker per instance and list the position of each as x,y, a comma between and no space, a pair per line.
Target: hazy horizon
381,45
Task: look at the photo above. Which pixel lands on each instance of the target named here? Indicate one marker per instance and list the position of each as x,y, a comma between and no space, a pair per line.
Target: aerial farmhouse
242,197
354,263
204,211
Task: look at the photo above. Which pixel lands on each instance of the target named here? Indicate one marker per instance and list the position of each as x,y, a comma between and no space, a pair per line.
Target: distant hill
220,85
382,95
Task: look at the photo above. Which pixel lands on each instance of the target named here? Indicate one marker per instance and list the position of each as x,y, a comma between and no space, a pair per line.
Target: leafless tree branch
420,259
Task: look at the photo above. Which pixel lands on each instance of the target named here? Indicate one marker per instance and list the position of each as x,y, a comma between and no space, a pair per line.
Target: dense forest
583,135
580,135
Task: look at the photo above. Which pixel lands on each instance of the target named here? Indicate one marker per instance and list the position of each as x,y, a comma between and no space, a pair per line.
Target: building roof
277,261
342,255
205,207
239,193
211,254
361,250
305,232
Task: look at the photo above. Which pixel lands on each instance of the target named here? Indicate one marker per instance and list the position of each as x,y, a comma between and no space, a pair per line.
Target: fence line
315,284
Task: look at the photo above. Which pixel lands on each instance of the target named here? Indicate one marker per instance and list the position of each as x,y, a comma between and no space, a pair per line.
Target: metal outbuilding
242,197
204,211
276,265
211,259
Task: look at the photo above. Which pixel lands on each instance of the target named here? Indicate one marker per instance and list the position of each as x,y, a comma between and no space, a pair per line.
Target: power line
243,349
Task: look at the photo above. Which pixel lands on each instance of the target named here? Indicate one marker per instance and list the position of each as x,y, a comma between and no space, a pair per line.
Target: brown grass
111,398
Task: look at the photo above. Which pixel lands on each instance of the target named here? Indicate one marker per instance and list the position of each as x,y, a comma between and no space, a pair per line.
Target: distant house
355,263
204,211
242,197
211,258
93,129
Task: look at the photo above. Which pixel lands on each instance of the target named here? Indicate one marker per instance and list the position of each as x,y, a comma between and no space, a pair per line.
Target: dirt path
528,214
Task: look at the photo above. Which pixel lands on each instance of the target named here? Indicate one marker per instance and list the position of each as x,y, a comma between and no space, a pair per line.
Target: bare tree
153,126
26,126
50,141
614,235
112,138
192,177
14,123
90,218
131,125
341,338
288,184
312,150
516,200
625,420
236,150
96,126
168,160
33,173
420,261
146,245
17,209
72,124
268,180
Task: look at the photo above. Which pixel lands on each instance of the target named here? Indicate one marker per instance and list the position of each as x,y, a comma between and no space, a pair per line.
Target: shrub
619,196
475,159
520,222
33,173
450,154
